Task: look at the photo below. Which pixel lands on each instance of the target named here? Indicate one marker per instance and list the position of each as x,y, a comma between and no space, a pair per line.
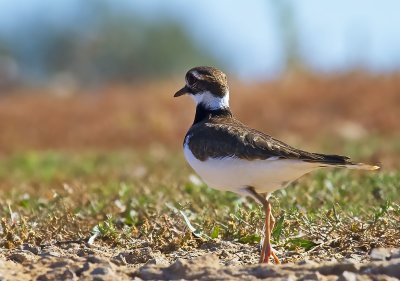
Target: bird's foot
269,252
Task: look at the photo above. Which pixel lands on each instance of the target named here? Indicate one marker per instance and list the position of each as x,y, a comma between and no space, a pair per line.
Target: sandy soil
216,261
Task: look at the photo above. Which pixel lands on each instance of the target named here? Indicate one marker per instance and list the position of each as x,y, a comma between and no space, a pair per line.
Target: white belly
234,174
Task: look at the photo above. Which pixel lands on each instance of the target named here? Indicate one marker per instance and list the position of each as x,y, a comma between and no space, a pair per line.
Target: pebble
141,255
95,259
30,248
101,271
51,254
21,256
348,276
380,254
395,253
159,260
85,252
59,264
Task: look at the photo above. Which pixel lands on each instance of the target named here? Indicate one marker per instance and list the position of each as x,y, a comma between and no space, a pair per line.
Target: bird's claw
269,252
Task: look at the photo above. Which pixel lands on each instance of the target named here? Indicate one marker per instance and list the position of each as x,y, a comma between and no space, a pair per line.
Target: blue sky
246,35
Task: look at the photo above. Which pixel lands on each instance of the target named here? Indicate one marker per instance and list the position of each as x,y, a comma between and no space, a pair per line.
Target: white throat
210,101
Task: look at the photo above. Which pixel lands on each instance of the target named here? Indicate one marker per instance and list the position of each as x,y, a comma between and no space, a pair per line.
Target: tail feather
362,166
341,161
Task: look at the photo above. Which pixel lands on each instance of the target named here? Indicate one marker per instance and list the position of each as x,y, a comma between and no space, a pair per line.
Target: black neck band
203,113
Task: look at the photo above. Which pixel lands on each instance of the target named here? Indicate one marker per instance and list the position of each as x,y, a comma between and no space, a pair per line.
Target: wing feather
230,138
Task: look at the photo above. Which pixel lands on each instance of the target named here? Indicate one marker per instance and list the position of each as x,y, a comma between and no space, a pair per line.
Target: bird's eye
190,79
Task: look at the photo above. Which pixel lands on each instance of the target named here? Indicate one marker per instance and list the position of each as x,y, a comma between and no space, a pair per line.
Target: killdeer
230,156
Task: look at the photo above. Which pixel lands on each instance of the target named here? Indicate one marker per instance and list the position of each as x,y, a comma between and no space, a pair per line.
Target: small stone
17,257
119,260
380,254
51,254
84,252
101,271
141,255
44,277
30,248
395,253
94,259
158,261
224,254
20,257
347,276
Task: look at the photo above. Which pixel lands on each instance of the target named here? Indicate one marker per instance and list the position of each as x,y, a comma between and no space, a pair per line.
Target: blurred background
100,74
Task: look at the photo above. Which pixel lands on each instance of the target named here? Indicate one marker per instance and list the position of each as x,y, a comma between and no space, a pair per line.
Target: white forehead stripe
196,74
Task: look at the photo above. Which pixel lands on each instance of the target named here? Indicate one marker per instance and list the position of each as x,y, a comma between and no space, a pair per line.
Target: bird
230,156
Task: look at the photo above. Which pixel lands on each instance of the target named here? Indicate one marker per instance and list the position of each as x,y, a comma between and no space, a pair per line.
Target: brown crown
206,78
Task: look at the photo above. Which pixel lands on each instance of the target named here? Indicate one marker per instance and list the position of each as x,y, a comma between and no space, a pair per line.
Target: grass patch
126,196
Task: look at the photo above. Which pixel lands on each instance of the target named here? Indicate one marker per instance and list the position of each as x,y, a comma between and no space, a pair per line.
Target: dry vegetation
107,161
298,109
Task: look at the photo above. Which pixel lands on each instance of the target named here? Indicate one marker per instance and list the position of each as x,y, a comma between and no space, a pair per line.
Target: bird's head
208,86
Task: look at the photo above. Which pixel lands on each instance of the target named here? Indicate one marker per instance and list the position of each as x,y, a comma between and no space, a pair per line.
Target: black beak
183,91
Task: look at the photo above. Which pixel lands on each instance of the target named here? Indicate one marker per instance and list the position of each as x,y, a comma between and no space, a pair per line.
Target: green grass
125,196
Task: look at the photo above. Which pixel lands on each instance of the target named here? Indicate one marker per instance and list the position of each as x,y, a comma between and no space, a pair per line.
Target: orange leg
266,250
266,247
269,251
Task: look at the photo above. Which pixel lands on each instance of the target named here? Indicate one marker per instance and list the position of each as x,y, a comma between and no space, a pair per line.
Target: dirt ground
212,261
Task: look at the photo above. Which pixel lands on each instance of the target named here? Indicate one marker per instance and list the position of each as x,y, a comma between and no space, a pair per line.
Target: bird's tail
330,160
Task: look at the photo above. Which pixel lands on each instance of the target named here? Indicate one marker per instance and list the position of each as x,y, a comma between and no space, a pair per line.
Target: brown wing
233,139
